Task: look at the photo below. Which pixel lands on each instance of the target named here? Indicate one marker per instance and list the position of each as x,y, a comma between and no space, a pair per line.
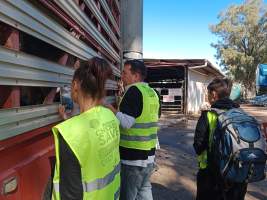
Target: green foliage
242,40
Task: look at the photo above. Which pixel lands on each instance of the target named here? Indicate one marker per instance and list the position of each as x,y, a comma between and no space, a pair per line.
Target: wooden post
185,90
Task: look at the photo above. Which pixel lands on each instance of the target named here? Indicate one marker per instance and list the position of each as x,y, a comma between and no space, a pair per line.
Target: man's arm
159,102
126,121
130,108
201,137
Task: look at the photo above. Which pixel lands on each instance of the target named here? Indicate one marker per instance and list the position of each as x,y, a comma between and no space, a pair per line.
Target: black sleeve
132,102
70,173
201,137
159,102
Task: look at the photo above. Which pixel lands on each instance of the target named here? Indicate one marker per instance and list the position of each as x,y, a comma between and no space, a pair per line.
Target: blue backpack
238,147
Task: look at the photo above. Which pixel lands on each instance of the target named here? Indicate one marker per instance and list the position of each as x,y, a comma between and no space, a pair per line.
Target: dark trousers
210,187
206,186
236,191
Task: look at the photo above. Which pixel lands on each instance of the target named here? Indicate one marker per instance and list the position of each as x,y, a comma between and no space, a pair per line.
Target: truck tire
48,190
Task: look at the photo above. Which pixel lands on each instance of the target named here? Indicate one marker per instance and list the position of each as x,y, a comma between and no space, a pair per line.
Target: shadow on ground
161,192
257,195
174,178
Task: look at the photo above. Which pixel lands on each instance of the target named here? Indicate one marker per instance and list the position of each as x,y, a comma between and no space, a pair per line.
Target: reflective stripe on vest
97,184
203,157
145,125
56,187
139,138
101,182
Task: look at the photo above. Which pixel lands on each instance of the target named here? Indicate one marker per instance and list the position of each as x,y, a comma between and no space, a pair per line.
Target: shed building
181,83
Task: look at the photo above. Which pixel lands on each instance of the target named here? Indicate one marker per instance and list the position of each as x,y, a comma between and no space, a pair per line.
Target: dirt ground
175,177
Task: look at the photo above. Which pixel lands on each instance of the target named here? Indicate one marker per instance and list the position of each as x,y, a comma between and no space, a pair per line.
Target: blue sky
180,29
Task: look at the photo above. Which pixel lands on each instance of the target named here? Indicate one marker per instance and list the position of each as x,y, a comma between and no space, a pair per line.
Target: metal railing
80,17
117,4
18,68
93,7
110,15
25,17
16,121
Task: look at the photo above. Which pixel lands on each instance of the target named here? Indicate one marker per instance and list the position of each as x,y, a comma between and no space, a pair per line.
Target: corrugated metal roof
201,65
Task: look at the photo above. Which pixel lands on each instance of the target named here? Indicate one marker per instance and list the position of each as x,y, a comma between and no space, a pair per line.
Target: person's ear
137,77
75,87
214,95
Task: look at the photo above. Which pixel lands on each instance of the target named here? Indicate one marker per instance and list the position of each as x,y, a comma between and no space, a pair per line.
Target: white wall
197,90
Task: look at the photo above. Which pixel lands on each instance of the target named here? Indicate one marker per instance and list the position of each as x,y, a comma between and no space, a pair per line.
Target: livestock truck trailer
41,41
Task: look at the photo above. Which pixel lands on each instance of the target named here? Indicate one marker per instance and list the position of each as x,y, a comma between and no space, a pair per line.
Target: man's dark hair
222,86
137,66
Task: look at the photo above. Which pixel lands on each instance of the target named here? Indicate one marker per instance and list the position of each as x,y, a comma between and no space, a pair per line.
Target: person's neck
129,85
88,103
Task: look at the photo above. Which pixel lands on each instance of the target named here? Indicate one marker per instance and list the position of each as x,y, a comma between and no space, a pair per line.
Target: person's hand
109,106
120,88
62,113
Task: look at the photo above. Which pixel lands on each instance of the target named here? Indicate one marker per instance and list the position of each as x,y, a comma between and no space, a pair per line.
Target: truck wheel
48,190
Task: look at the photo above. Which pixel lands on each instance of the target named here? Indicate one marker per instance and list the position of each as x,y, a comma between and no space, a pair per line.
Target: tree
242,40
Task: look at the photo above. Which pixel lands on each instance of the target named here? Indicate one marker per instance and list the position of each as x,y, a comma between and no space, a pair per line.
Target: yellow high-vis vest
93,136
143,134
203,157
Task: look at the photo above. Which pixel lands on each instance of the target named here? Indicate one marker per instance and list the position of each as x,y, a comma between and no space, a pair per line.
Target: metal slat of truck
91,4
75,12
17,68
25,70
41,44
111,17
23,16
14,122
117,4
21,69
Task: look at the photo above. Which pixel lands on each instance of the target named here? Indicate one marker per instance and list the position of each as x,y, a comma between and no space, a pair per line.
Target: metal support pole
185,90
132,29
